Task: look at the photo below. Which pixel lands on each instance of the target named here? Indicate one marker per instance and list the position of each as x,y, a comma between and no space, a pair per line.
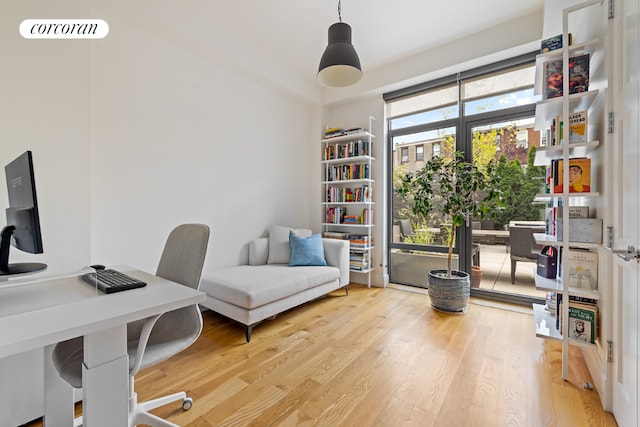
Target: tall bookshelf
549,112
348,200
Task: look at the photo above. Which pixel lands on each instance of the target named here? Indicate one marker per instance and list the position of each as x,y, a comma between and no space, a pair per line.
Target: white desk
44,313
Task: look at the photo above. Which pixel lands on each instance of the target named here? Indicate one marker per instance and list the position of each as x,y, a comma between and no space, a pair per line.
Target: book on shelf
351,219
583,268
333,131
550,302
355,130
346,150
555,134
349,194
348,172
578,127
554,213
358,261
583,320
335,215
335,235
366,216
574,301
553,43
579,175
578,76
360,241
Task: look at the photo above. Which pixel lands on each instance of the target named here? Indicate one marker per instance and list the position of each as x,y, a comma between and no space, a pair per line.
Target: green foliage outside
421,236
518,187
465,190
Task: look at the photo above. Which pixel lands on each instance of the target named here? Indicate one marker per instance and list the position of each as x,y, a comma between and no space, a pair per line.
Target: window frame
463,124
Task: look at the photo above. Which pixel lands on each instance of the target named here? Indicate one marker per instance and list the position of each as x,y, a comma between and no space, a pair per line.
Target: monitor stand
7,269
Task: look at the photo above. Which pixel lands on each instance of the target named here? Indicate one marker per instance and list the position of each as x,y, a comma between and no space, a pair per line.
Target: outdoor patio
496,272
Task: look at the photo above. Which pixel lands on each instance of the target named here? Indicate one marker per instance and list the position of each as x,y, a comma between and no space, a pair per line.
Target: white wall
44,107
179,138
138,132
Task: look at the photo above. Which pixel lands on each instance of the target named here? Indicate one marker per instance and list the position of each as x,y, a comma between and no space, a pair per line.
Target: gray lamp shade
339,65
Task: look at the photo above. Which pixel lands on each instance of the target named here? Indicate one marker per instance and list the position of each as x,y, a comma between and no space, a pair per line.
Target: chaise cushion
253,286
279,252
306,250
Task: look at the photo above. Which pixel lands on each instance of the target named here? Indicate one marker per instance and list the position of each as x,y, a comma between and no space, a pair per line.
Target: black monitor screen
23,222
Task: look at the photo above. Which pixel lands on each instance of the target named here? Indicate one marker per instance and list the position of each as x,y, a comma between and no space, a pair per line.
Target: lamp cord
340,10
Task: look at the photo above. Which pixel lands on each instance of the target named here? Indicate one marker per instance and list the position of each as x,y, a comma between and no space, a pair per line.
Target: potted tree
462,190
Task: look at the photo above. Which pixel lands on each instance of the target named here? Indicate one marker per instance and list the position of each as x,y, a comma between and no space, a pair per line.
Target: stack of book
358,261
583,318
360,241
334,131
335,235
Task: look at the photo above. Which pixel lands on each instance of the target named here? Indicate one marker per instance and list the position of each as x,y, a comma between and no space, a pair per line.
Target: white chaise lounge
268,285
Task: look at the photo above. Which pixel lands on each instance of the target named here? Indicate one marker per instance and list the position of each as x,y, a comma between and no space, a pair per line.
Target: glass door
507,252
418,244
487,113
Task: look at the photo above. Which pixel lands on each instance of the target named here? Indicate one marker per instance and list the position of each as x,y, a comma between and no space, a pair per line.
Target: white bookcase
593,102
348,199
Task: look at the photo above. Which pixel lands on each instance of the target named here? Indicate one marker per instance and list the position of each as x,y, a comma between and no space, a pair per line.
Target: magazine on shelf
579,175
578,127
578,76
583,322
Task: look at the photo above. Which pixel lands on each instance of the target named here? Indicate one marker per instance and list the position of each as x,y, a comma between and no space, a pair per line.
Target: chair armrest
259,251
336,253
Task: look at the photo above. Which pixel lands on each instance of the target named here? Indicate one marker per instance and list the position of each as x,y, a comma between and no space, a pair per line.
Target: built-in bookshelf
569,147
348,198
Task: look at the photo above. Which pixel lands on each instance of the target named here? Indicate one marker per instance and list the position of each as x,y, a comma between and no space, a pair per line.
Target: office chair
523,246
156,338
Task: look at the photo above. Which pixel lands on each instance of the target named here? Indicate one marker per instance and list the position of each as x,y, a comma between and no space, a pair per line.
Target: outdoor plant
459,187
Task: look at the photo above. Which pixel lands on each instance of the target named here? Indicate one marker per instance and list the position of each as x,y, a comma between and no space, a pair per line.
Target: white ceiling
383,31
289,36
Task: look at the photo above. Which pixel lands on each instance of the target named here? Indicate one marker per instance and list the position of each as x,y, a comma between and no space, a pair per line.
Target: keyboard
110,281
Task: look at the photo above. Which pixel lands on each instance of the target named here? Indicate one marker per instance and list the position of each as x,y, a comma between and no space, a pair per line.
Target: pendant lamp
339,65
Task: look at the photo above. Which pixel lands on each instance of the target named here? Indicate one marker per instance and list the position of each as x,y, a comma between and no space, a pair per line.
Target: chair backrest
522,242
183,256
406,229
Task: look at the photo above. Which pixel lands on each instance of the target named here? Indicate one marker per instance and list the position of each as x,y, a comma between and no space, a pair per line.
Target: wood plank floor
378,357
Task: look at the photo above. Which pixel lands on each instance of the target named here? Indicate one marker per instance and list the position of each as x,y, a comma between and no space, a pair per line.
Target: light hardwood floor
378,357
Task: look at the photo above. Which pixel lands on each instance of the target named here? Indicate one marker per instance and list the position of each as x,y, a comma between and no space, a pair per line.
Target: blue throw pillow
306,250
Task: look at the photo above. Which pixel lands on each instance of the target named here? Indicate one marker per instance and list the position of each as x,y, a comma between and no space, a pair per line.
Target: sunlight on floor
496,272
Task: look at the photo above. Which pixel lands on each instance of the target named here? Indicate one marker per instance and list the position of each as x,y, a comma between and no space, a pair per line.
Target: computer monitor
23,222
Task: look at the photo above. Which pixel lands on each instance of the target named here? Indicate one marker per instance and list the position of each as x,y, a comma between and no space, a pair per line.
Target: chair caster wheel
187,403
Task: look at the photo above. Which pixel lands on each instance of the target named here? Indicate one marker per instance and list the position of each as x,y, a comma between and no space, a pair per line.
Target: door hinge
610,122
609,351
610,236
611,10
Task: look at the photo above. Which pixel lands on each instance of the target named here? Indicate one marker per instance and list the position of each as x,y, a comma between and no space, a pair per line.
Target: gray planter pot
449,294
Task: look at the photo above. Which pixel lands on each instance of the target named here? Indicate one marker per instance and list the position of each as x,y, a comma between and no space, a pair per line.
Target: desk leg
105,377
58,394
